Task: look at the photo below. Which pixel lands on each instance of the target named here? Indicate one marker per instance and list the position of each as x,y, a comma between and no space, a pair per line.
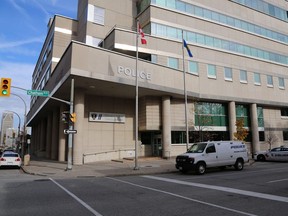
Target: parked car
213,154
10,159
275,154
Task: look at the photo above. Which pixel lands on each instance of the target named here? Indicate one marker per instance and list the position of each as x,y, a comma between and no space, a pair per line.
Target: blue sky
23,25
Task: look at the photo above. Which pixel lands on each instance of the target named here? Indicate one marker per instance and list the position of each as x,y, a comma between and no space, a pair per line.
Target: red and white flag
143,40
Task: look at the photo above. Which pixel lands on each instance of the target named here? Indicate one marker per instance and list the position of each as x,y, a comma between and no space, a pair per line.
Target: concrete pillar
166,127
49,135
232,119
43,137
55,132
34,141
62,137
79,105
37,138
254,128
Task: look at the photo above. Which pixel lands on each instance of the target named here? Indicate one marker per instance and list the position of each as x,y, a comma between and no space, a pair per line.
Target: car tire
239,164
200,168
261,157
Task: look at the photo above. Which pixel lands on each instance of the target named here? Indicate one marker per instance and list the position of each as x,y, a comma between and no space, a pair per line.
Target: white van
213,154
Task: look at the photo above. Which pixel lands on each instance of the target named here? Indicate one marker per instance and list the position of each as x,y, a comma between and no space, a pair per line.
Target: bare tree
203,120
271,138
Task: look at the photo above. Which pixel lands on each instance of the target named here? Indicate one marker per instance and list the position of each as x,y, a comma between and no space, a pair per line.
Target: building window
261,136
284,112
285,135
96,14
193,67
269,81
173,63
242,112
243,76
257,79
211,71
281,83
228,74
92,41
154,59
260,116
210,114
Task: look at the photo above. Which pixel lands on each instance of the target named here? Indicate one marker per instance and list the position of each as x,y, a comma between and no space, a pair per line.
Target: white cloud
13,44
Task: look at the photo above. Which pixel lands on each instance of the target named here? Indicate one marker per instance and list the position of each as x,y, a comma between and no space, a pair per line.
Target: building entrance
157,146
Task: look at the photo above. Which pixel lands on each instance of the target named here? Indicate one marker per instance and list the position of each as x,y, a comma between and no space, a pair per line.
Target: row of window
216,17
179,137
216,114
41,63
42,83
213,42
265,7
228,74
193,68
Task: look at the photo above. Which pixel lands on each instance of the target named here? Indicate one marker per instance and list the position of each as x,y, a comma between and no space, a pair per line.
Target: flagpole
185,94
136,100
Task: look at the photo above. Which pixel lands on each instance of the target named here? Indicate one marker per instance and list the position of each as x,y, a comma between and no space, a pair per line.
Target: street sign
38,93
67,131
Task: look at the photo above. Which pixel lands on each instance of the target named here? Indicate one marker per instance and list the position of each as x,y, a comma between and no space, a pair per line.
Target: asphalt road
260,189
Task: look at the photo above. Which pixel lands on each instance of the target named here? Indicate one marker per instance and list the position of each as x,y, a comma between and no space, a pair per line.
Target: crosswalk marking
224,189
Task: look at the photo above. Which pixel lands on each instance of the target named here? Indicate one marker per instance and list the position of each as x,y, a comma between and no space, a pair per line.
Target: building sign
106,117
131,72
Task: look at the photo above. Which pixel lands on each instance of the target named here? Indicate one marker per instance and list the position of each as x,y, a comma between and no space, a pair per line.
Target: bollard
26,160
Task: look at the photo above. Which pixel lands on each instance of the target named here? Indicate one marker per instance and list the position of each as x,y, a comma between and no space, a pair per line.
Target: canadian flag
143,40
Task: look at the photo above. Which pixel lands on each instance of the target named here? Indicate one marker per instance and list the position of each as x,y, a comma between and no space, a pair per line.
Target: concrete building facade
6,126
238,71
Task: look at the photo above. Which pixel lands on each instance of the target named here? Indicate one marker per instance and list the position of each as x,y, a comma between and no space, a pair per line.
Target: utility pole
71,125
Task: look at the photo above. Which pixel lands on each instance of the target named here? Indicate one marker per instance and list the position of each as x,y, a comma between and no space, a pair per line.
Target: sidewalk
55,169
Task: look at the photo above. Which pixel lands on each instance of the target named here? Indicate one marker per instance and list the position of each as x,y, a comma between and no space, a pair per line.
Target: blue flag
187,48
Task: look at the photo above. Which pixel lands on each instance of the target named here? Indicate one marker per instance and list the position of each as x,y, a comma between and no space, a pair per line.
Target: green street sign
38,93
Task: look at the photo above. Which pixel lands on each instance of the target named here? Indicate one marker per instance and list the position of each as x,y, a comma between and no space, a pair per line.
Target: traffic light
5,87
73,117
65,117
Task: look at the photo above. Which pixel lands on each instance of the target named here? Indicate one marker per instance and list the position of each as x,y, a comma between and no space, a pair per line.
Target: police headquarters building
238,71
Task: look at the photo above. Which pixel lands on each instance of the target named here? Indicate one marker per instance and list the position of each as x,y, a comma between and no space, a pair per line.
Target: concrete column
55,136
254,128
43,137
166,127
232,119
38,134
79,104
62,137
34,141
49,135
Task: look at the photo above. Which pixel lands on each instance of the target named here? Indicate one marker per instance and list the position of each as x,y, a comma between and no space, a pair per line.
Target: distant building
6,123
238,70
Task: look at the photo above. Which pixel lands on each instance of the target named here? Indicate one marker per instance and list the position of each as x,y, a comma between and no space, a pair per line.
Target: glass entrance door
157,146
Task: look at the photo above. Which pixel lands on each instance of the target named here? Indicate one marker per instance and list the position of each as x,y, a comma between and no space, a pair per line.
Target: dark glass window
284,112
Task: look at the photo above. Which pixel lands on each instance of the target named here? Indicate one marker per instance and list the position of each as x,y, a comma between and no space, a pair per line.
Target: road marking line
77,199
225,189
277,180
182,197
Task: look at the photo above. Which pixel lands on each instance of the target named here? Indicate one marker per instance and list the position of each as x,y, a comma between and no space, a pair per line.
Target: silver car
275,154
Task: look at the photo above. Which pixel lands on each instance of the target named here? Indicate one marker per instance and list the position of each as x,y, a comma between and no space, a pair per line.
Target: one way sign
67,131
